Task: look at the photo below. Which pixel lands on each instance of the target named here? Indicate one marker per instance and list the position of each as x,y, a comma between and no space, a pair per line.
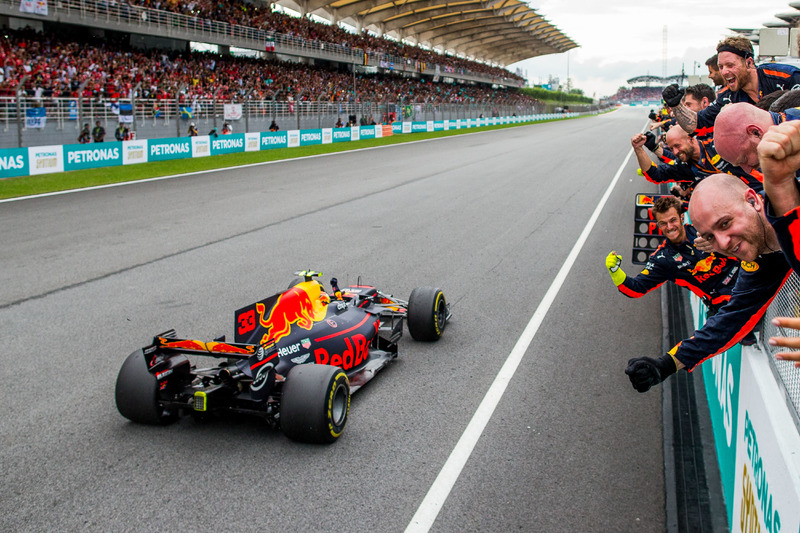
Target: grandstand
131,60
645,90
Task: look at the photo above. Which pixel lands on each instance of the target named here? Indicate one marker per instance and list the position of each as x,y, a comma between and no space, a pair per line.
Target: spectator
226,129
338,123
731,217
119,133
85,135
273,126
98,132
192,130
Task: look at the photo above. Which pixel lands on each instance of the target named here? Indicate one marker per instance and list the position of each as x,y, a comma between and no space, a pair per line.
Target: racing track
489,217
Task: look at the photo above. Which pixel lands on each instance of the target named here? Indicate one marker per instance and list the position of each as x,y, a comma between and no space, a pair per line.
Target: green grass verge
77,179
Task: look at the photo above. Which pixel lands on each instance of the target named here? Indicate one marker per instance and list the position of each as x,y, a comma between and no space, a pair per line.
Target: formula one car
297,357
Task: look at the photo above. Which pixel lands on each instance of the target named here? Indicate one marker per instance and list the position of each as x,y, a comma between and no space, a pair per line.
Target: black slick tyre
315,403
136,393
427,313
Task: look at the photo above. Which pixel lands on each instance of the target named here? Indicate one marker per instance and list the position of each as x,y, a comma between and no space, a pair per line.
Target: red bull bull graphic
702,266
270,320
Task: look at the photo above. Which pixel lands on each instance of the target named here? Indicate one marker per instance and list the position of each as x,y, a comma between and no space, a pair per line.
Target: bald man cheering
730,216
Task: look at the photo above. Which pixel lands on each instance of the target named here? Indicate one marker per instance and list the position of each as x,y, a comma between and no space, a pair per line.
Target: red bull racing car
296,358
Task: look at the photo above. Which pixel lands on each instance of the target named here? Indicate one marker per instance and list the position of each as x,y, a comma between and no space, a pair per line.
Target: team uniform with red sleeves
755,288
709,276
710,162
771,77
787,227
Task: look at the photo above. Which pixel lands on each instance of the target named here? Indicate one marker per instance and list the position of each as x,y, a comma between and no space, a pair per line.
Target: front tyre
315,402
136,393
427,313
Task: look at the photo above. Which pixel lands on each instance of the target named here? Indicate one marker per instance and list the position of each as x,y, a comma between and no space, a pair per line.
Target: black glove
650,141
672,95
645,372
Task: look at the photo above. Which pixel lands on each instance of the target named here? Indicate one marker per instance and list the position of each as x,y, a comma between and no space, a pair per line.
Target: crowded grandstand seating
262,18
58,68
637,94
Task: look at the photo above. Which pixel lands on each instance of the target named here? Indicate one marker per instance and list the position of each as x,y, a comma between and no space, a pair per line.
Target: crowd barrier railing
60,158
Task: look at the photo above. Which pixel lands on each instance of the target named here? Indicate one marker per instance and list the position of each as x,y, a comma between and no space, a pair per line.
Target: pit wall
59,158
755,436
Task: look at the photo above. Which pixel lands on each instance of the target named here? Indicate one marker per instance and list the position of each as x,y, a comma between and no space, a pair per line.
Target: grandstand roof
657,80
494,31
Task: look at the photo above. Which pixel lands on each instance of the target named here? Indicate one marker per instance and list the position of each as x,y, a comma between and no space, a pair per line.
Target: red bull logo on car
300,305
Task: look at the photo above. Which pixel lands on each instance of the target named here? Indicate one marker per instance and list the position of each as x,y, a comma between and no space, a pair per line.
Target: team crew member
730,216
695,159
713,72
709,276
779,156
738,132
746,82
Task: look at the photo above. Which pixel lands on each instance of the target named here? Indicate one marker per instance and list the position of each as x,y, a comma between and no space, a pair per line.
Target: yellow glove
612,264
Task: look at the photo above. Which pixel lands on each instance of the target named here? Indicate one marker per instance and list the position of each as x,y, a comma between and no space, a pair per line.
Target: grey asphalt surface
88,277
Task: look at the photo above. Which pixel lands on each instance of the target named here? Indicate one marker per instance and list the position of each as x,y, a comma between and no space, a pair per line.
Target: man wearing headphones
746,83
730,216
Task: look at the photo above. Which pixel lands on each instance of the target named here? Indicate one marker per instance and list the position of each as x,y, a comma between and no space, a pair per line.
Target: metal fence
170,118
786,303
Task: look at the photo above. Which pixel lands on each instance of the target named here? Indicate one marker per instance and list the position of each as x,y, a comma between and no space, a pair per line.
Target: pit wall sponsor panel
201,146
81,156
45,159
276,139
134,152
168,149
310,137
293,138
14,162
252,142
366,132
767,486
721,380
342,135
755,437
227,144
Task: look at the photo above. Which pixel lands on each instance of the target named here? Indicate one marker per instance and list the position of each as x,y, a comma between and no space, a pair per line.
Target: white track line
429,508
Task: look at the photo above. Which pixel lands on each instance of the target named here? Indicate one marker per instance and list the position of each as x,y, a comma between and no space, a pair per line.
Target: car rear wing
168,342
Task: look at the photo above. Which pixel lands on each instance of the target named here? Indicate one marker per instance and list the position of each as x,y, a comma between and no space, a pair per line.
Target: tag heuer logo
305,343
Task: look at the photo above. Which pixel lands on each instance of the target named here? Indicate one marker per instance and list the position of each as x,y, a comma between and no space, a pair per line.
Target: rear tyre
427,313
136,393
315,403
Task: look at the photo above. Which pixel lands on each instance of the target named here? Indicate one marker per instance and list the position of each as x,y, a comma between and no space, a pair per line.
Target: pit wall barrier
60,158
755,430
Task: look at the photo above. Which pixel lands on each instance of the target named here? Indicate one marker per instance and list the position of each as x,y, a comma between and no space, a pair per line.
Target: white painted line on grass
434,500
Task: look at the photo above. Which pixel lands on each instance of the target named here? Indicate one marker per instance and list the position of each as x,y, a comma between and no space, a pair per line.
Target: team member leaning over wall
711,277
731,218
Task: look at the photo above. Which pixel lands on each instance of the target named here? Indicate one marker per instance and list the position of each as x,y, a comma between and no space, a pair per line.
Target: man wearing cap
746,83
